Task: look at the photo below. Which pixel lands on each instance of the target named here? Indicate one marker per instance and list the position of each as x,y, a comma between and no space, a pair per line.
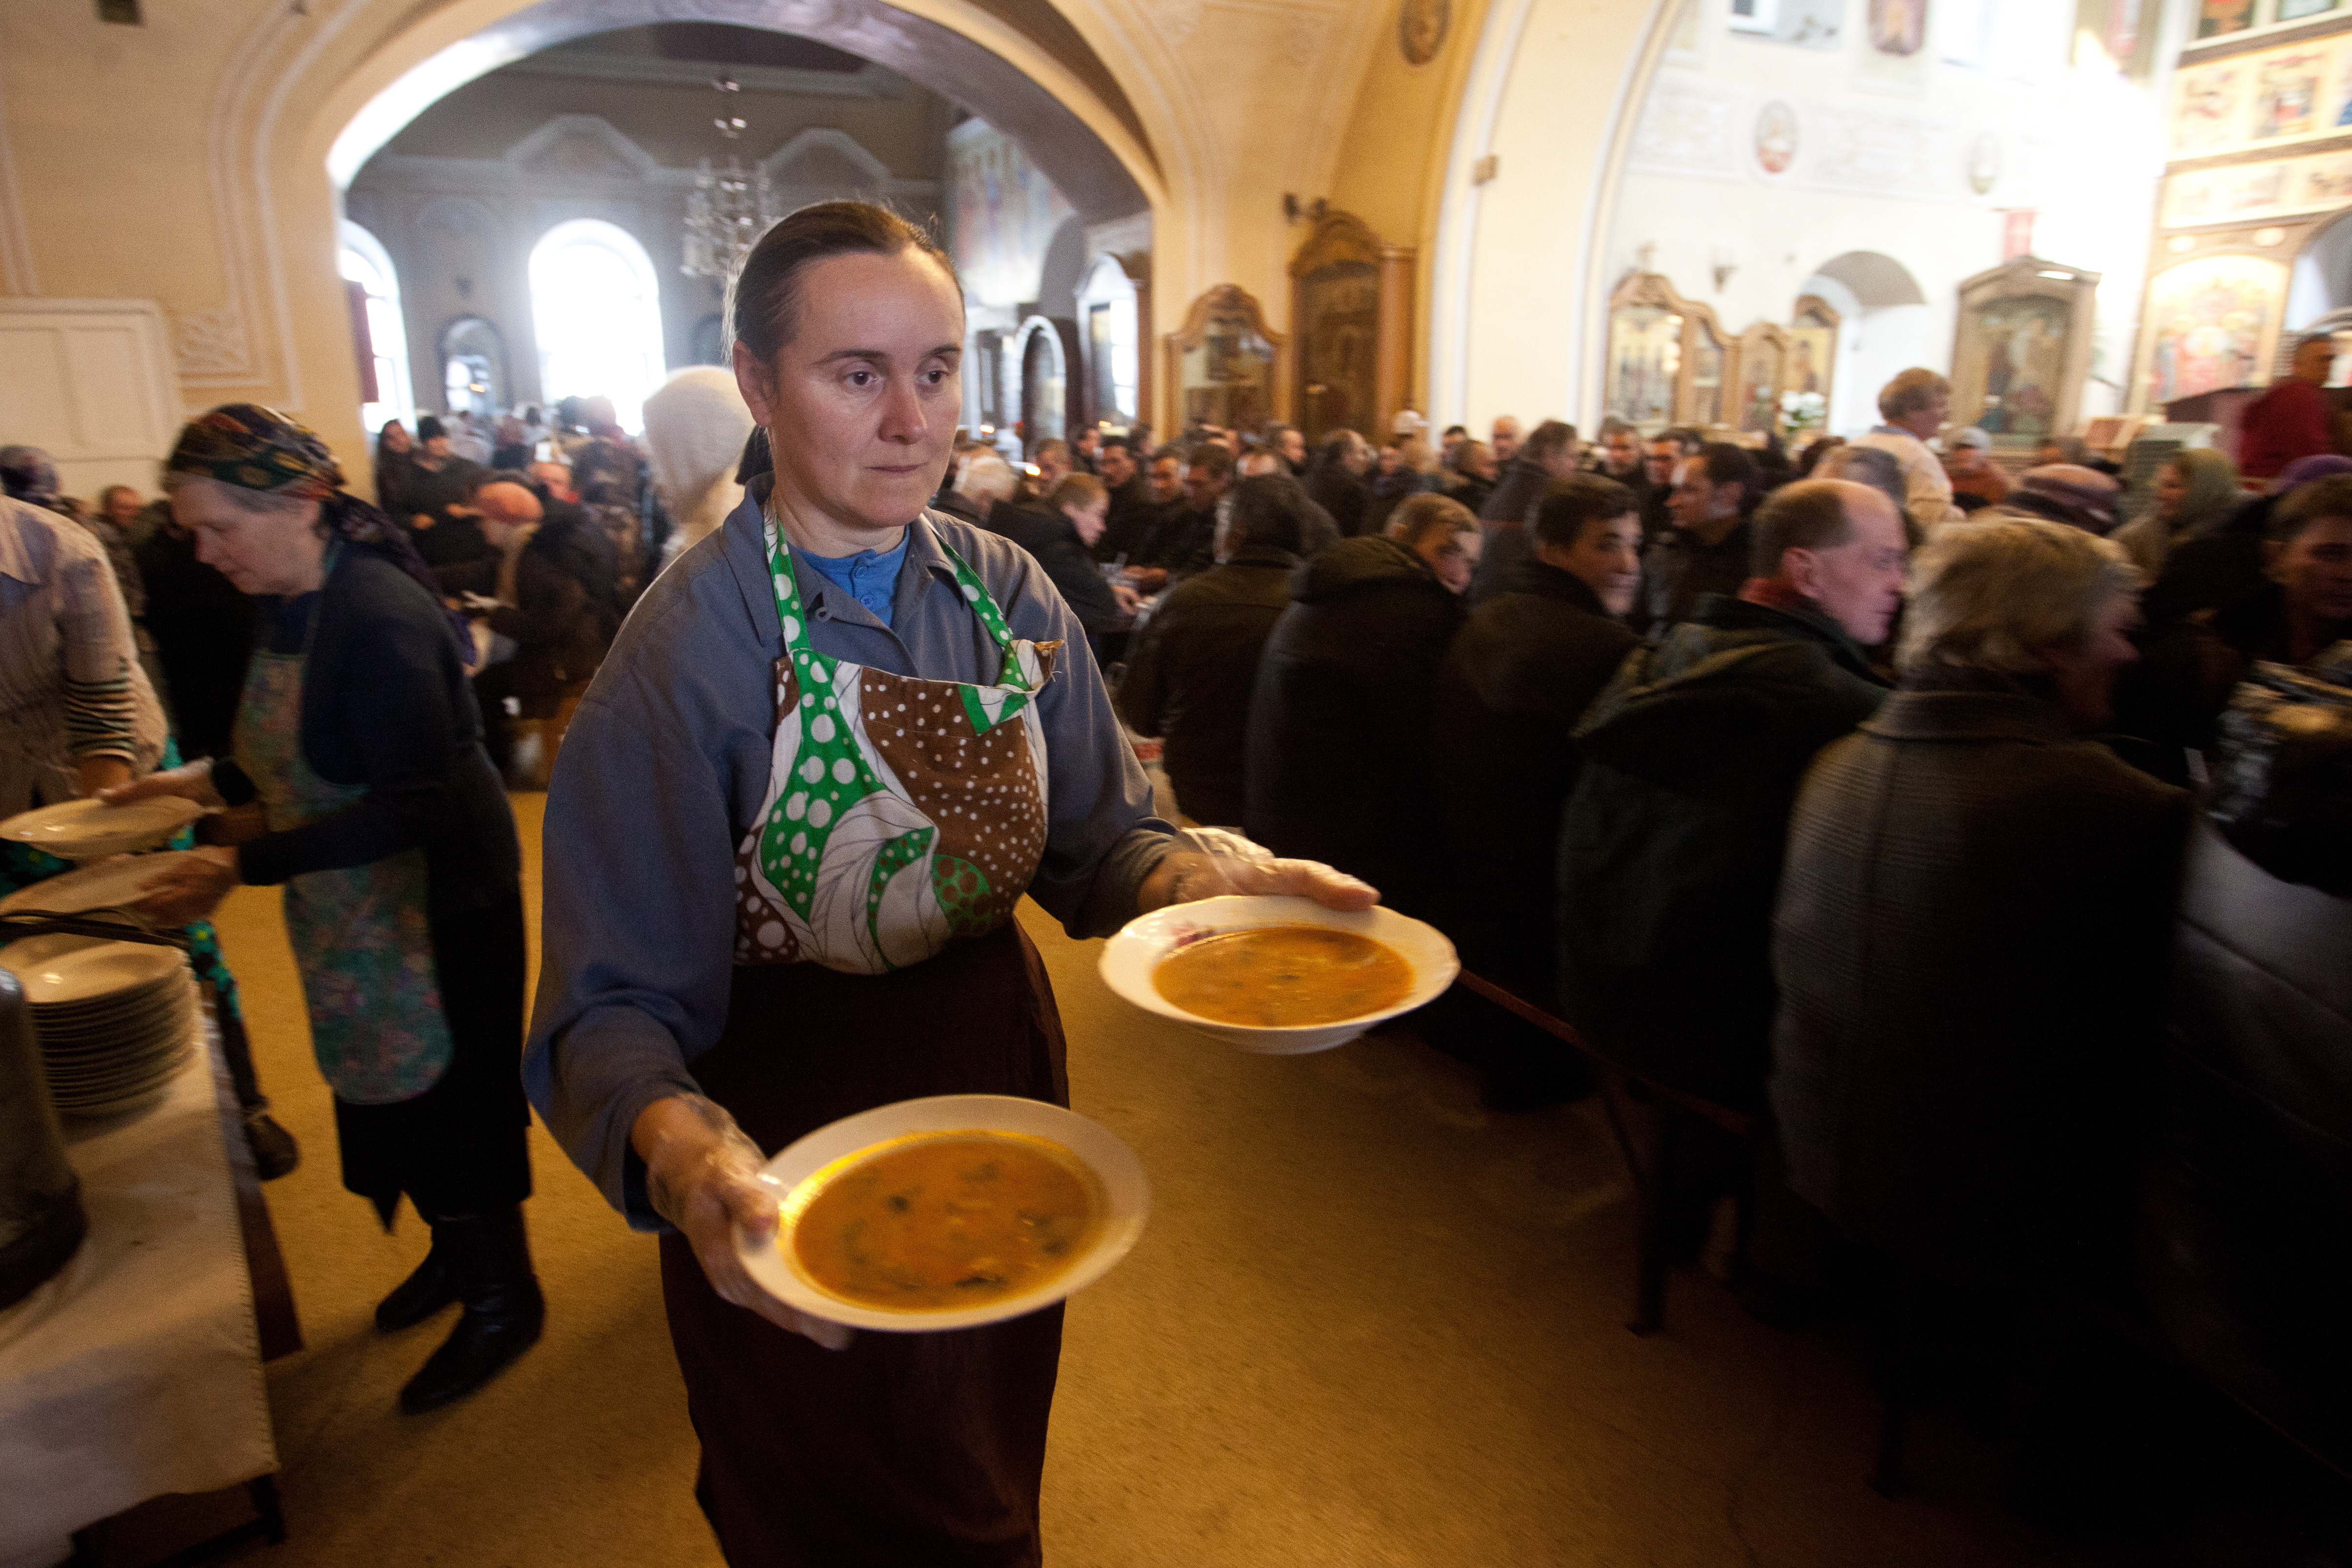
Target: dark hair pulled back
763,302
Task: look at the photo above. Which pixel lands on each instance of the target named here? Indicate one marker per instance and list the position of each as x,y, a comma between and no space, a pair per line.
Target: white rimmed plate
84,829
1126,1198
64,969
104,886
1128,959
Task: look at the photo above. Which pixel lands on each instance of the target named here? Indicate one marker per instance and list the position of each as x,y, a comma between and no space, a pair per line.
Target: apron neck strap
816,667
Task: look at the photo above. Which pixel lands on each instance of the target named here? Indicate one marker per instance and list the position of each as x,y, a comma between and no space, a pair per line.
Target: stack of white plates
115,1019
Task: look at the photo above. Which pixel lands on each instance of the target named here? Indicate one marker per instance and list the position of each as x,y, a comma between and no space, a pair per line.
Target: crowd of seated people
1868,825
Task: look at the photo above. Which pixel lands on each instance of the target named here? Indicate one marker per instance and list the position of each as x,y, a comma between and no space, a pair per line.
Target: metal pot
41,1219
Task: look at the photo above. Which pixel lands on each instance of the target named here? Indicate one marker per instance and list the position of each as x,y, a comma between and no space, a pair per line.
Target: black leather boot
424,1292
490,1260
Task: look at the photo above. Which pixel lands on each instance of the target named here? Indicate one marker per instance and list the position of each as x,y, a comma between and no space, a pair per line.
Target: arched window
595,303
365,262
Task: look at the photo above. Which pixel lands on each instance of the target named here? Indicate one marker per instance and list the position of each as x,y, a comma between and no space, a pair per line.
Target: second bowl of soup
1279,975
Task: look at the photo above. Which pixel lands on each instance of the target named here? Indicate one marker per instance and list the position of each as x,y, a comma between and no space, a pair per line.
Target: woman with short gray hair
1972,924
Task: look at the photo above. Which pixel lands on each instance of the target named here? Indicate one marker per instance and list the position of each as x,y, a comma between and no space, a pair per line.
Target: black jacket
2252,1190
562,620
1510,693
1670,847
1053,539
1190,671
1342,494
1181,540
386,706
1339,765
1131,516
1678,570
1510,512
204,636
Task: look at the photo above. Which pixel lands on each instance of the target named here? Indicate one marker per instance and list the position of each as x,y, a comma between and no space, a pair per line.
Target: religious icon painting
1776,138
2215,17
1895,55
2286,92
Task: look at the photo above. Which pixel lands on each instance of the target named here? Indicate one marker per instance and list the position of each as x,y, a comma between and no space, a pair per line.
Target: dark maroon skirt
904,1449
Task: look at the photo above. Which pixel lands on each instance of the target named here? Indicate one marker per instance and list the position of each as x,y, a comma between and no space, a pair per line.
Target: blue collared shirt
870,578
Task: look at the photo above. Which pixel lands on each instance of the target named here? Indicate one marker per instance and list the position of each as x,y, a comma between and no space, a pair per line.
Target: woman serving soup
833,747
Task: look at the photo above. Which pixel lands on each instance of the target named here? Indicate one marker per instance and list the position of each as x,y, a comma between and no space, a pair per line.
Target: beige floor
1370,1325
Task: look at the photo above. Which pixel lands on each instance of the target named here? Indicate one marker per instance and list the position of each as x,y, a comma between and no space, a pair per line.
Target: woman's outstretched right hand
704,1177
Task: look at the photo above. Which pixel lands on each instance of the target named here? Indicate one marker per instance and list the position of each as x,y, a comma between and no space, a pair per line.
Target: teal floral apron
900,814
360,934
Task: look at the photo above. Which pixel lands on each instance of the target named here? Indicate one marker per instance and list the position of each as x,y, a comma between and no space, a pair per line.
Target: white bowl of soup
1279,975
947,1213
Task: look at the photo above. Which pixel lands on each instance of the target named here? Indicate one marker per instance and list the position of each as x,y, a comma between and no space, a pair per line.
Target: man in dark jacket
1545,457
1056,530
560,624
1660,456
1510,693
1335,479
1190,675
1707,549
1130,513
1183,540
1474,464
1670,847
438,480
1340,765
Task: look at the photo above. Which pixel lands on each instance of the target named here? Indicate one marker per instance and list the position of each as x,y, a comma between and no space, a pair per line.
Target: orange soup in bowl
1283,976
950,1220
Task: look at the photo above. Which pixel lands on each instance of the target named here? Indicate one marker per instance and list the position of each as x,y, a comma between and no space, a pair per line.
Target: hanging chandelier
730,208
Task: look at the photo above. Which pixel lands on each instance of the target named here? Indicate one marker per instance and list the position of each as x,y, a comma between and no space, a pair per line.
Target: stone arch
1044,409
1886,325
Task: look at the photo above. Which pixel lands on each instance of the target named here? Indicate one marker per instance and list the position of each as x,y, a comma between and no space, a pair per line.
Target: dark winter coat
2252,1192
1505,521
1190,671
1049,535
1678,569
1969,945
1670,847
1510,693
1339,766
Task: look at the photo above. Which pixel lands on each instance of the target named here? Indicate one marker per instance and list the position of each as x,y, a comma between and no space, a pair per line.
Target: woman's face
267,553
860,406
396,437
2171,488
1608,557
1453,556
1089,519
2314,567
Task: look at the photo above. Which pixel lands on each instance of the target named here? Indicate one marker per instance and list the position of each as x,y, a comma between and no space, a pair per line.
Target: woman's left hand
188,890
1209,862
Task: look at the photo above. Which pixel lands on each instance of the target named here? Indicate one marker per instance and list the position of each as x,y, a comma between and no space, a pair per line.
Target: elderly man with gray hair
1914,406
1971,927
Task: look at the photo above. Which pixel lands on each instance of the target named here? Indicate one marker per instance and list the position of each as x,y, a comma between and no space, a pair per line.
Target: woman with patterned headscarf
390,833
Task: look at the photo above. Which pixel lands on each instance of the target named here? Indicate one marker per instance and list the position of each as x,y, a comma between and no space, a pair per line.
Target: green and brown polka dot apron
900,814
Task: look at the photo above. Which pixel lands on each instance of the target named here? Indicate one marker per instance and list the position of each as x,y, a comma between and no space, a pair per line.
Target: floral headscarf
256,449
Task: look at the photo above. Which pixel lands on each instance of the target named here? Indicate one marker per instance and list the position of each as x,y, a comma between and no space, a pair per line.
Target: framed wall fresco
1225,365
1668,357
2210,324
1812,347
1759,374
2022,351
1336,314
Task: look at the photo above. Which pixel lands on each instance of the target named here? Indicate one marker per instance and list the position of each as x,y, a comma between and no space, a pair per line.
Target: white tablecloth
137,1371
